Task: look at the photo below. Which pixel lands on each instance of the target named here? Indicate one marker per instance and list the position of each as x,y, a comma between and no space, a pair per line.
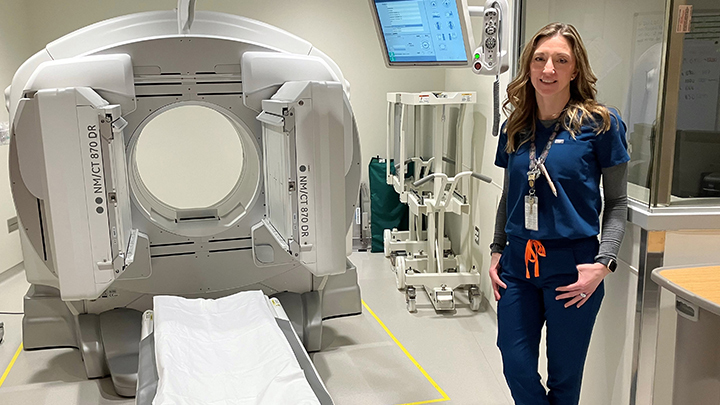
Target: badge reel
531,204
537,169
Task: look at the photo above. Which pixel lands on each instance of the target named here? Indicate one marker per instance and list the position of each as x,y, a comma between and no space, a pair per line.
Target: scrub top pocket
568,160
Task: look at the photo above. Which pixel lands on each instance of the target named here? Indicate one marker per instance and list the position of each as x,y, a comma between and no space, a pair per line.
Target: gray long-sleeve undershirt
614,214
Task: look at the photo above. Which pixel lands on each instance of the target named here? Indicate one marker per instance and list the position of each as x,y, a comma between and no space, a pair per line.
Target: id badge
531,212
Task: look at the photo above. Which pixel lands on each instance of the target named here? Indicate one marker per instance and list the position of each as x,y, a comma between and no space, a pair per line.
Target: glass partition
626,47
696,156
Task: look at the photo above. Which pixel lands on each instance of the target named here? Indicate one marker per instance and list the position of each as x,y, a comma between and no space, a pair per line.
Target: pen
547,176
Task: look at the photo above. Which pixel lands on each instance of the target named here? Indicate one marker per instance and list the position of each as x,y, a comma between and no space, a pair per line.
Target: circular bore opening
189,157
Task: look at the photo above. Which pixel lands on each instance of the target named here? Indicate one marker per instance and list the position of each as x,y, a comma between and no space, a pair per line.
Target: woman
547,266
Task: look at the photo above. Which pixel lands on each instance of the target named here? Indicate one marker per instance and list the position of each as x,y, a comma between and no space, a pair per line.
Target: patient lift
431,183
422,136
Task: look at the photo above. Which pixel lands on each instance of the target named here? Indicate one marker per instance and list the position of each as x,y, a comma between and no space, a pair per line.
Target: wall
607,29
608,370
14,49
484,197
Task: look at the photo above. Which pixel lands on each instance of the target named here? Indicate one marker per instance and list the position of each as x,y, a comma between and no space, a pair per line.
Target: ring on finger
583,295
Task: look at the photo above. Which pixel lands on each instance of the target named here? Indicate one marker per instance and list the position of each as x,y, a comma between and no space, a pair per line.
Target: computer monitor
423,32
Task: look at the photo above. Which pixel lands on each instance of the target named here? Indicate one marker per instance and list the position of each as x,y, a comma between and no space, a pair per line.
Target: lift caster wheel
474,298
387,235
400,272
411,306
410,299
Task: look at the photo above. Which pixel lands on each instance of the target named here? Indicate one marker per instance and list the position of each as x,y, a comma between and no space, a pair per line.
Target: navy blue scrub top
575,166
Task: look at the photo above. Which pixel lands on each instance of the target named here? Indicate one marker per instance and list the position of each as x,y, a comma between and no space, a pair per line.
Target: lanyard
536,164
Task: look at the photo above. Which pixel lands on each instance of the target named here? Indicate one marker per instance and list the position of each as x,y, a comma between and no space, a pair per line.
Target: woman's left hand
589,278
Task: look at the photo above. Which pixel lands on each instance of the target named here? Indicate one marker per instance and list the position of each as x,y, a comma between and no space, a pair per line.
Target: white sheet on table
228,351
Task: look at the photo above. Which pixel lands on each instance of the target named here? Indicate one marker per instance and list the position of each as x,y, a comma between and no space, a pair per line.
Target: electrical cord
12,313
496,85
496,105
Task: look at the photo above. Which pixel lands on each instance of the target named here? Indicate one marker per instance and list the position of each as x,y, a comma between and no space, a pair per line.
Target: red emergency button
478,65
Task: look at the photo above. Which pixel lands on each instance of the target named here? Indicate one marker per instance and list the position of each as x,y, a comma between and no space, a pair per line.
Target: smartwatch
608,262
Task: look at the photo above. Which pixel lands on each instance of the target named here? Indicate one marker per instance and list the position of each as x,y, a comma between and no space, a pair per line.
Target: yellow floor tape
409,356
10,366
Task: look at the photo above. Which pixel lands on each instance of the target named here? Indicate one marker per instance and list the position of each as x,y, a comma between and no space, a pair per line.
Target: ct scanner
98,245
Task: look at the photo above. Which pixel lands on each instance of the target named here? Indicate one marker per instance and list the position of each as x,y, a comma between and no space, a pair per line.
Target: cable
12,313
496,105
496,85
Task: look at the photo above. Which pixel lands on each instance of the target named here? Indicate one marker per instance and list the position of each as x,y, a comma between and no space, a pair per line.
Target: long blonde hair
582,107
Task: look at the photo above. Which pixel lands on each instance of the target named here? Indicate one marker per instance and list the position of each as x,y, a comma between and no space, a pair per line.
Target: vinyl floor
384,356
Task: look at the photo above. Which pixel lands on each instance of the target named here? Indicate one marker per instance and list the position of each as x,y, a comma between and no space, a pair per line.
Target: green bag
386,210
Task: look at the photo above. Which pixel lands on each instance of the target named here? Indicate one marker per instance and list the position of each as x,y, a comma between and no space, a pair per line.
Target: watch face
612,265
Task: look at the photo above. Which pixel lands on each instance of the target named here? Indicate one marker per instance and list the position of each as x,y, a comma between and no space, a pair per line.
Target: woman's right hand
494,277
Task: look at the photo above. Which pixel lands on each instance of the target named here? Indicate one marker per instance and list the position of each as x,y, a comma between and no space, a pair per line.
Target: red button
478,66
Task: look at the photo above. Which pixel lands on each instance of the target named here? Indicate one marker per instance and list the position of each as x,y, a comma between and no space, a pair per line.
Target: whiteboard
699,84
648,31
699,90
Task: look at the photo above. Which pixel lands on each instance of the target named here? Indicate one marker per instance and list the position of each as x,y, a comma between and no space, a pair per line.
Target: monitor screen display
422,31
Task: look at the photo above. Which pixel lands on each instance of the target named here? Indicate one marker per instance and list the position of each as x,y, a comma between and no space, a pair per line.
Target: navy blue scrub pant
529,303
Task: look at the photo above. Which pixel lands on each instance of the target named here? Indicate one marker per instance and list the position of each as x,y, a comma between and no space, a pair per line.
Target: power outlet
12,224
477,236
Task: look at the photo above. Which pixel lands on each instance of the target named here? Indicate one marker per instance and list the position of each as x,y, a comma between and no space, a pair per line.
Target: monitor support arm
476,11
491,56
185,15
